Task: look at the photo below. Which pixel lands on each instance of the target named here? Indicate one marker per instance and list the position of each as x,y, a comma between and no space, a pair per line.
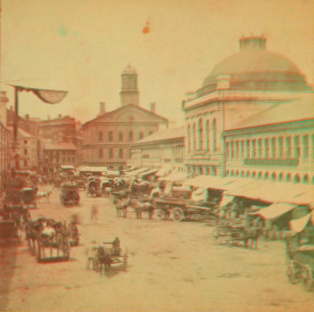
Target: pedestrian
94,213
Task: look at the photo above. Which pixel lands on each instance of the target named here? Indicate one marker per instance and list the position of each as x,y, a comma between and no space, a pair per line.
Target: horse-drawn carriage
234,232
94,187
14,214
48,240
69,194
29,197
103,257
300,262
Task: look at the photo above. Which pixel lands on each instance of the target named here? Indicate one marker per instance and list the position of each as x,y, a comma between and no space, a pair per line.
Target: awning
306,198
298,225
176,177
276,210
67,167
163,172
209,182
136,172
199,195
149,172
93,169
226,199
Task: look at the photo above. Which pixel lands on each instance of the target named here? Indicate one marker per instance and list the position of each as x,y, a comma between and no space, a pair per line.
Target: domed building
244,90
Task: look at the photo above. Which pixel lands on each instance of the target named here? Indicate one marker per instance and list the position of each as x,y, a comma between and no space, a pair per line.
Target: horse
103,260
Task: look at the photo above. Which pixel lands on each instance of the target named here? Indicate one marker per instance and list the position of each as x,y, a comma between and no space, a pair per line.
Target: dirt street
172,267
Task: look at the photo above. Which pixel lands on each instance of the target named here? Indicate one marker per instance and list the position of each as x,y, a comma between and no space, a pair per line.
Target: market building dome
255,68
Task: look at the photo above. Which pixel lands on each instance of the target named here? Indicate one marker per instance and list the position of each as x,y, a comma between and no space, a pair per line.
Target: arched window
259,175
247,174
253,174
273,176
296,179
188,139
305,179
130,135
312,182
288,177
207,136
242,174
194,137
214,135
231,173
266,175
120,153
141,135
120,136
227,172
200,134
237,173
280,177
100,136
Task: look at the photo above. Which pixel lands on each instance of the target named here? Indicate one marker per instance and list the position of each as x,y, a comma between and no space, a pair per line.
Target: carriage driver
116,247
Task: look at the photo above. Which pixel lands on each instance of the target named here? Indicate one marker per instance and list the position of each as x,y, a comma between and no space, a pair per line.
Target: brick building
108,137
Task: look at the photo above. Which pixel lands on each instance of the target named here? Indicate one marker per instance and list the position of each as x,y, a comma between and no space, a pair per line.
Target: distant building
5,141
162,149
108,137
242,87
61,129
27,157
56,154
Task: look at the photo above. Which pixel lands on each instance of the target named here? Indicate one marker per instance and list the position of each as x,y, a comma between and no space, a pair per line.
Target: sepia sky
83,45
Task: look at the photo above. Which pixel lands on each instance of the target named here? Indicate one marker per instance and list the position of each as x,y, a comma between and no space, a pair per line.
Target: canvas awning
176,177
199,194
306,198
149,172
276,210
163,172
93,169
209,182
136,172
226,199
298,225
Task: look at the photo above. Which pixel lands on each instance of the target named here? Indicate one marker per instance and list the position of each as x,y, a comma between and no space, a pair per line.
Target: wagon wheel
307,277
177,214
291,273
159,214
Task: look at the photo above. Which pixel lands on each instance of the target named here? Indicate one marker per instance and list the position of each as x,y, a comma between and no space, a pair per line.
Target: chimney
26,117
102,108
48,117
60,116
153,107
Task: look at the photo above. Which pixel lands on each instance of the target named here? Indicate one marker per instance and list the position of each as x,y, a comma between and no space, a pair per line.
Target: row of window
110,138
121,155
275,147
51,153
195,136
273,176
62,159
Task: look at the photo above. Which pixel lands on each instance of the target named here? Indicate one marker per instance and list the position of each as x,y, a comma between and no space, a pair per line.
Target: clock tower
129,93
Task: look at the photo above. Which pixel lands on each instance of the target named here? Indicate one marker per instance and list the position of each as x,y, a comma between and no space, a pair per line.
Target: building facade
5,141
56,154
163,149
108,137
241,86
276,145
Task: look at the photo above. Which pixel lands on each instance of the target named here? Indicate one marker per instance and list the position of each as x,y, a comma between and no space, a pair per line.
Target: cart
69,194
48,247
29,197
300,263
104,257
